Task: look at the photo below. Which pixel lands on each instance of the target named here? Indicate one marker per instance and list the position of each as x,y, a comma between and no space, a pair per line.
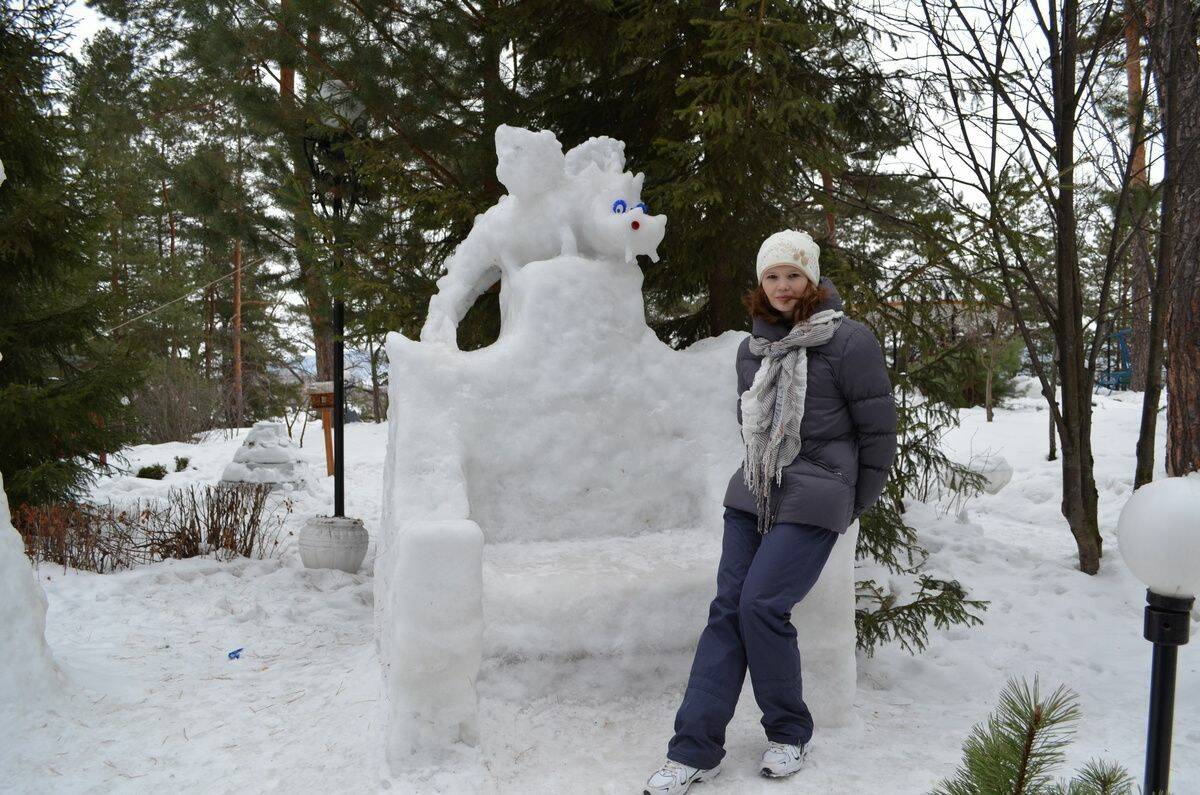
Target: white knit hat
790,247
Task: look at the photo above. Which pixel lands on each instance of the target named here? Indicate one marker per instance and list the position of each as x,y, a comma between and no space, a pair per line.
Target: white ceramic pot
333,542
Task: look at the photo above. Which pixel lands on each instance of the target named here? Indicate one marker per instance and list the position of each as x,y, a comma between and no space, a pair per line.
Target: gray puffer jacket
848,433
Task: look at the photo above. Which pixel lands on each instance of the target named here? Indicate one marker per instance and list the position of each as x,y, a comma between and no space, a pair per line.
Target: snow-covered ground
154,701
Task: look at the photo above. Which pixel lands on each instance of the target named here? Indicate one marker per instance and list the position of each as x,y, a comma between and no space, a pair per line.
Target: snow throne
552,507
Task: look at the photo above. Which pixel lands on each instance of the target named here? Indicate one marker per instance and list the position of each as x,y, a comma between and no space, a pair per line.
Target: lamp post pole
335,541
1166,627
339,367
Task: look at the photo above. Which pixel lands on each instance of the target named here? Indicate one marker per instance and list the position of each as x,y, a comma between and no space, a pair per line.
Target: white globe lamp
1159,537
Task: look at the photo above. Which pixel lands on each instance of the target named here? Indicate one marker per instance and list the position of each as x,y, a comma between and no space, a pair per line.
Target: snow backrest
578,422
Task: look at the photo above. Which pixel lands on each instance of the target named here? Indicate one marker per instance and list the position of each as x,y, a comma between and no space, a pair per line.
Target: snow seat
636,605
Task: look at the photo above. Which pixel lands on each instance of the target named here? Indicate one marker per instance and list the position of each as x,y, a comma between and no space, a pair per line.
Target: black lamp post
336,541
1167,628
334,176
1159,537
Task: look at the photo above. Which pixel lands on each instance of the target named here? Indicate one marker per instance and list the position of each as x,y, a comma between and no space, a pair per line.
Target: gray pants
759,580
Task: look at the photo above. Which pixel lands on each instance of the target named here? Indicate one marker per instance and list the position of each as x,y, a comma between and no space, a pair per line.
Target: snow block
431,637
29,671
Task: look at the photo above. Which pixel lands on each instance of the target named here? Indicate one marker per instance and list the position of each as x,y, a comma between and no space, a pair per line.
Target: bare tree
1010,93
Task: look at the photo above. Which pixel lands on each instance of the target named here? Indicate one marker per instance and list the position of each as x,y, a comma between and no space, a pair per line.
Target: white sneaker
674,778
781,759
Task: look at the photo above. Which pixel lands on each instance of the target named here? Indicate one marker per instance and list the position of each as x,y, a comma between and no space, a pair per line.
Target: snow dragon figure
581,203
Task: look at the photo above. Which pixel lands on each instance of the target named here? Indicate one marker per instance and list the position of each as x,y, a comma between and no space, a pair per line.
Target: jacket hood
777,331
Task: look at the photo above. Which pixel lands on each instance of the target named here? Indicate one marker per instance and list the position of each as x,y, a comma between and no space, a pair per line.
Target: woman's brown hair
757,303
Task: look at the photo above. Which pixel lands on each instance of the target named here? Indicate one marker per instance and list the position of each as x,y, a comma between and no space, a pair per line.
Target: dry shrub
226,521
229,519
98,538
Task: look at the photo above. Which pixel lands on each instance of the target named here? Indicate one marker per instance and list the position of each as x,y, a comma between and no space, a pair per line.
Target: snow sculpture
267,455
582,203
29,669
566,481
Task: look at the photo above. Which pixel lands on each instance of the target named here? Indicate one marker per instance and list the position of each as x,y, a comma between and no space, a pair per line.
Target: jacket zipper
827,468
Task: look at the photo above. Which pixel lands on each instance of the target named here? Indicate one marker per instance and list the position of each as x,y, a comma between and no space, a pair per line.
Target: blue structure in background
1118,379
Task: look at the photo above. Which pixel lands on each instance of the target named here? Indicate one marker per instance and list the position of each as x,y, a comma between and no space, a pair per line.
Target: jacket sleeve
742,385
863,379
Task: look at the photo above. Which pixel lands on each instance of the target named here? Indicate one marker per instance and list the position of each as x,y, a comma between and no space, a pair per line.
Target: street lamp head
340,107
1159,535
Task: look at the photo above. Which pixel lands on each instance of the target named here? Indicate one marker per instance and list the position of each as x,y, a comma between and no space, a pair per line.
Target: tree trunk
1139,244
991,369
1176,62
317,301
170,222
1079,488
1149,280
1052,454
376,400
237,334
209,323
725,310
830,219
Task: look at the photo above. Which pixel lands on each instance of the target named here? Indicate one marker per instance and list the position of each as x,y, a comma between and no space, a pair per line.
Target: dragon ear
607,154
528,163
639,179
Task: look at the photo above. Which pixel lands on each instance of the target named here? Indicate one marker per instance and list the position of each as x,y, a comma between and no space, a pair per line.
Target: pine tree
1017,749
61,385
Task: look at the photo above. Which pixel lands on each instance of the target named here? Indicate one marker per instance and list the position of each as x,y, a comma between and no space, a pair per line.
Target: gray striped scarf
773,406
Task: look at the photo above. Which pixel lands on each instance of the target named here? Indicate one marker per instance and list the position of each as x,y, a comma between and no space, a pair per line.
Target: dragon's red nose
634,224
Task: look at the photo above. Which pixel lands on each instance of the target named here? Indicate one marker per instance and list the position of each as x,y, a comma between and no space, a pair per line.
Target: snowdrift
29,670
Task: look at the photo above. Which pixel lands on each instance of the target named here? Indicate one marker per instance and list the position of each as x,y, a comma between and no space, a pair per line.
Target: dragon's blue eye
619,206
642,206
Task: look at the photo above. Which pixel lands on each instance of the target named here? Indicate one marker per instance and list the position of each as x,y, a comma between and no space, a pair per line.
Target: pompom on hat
790,247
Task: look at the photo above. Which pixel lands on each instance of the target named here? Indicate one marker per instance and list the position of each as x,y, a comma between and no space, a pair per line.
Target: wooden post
320,397
327,426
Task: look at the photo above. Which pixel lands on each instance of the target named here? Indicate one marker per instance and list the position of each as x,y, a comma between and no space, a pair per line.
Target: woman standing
819,426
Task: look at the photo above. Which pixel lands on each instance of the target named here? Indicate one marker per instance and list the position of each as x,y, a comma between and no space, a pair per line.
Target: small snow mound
995,470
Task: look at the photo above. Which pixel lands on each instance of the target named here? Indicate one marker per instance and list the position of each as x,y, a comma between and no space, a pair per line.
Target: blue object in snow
236,654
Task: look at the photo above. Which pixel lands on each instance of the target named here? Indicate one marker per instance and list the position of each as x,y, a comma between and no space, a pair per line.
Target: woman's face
784,286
